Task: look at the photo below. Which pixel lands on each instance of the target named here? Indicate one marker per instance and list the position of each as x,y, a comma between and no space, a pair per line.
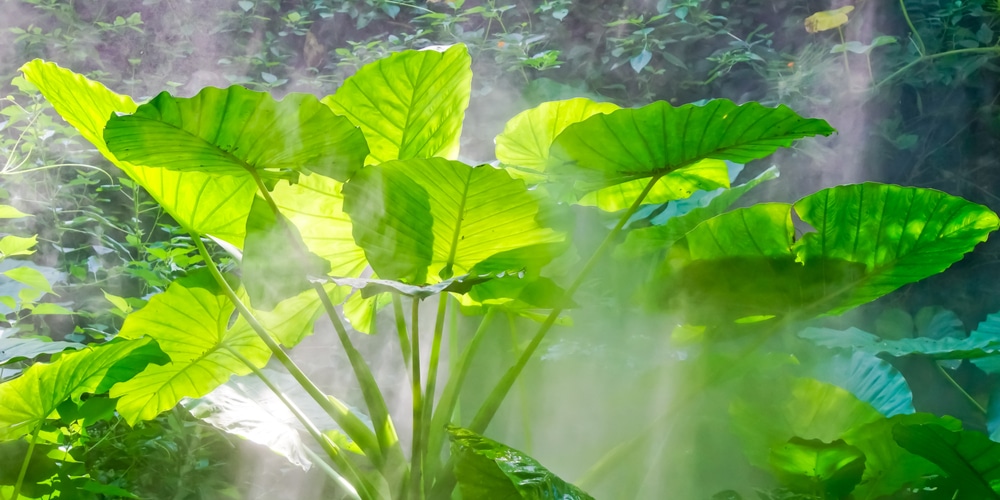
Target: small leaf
11,245
827,19
30,277
9,212
120,303
640,60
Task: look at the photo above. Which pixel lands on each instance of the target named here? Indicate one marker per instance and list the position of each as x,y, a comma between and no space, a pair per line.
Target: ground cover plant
356,206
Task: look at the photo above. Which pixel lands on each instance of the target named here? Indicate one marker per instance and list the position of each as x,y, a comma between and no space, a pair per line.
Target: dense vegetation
155,246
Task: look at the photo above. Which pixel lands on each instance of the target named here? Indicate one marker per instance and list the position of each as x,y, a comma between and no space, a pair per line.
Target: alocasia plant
359,200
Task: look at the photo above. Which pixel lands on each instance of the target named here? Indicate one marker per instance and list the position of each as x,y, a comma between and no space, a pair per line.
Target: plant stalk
404,341
432,369
453,388
24,464
895,74
385,432
954,383
416,449
921,48
496,397
347,421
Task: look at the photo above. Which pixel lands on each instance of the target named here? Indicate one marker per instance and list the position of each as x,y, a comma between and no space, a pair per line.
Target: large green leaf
199,201
486,469
33,397
890,468
971,347
190,321
238,132
314,206
869,240
868,378
828,470
429,220
679,184
410,104
523,146
657,139
766,418
969,458
276,264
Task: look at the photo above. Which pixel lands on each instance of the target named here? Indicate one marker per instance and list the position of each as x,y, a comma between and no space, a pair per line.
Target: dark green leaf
486,469
812,466
967,457
657,139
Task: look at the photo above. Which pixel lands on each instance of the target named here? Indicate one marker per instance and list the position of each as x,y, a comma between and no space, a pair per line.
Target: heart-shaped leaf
428,220
657,139
238,132
410,104
198,201
969,458
870,239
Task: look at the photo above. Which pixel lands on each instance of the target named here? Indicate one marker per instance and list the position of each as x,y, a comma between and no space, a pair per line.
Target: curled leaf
827,19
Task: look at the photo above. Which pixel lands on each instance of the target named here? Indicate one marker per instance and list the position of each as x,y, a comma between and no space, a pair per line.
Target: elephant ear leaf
429,220
190,321
410,104
486,469
238,132
682,147
199,201
870,239
523,146
28,400
969,458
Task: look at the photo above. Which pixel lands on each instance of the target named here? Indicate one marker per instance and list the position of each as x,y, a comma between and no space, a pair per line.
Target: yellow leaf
827,19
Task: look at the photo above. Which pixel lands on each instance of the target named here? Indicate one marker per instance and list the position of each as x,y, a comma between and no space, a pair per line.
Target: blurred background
912,88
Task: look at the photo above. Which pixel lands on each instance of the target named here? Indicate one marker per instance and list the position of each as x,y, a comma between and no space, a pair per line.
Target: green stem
345,419
847,67
921,48
331,449
404,342
895,74
522,393
346,485
416,449
954,383
496,397
24,464
385,432
432,368
449,396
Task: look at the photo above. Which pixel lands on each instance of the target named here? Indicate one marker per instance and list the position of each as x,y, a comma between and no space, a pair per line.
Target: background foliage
908,112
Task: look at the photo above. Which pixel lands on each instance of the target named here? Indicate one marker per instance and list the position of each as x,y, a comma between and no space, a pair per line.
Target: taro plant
341,206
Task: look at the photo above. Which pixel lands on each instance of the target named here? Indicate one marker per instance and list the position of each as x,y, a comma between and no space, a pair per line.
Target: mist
613,371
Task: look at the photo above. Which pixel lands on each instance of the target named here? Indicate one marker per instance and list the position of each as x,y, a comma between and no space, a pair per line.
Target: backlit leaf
199,201
828,19
428,220
410,104
236,131
486,469
657,139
